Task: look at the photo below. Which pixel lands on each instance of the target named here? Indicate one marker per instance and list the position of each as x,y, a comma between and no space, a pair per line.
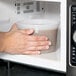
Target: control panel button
74,36
73,47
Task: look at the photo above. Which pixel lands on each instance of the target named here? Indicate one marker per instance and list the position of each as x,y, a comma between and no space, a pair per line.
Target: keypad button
73,15
73,54
73,51
74,18
74,22
73,58
73,48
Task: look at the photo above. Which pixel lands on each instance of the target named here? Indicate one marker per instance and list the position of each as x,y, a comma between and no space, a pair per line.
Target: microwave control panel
73,36
24,7
28,6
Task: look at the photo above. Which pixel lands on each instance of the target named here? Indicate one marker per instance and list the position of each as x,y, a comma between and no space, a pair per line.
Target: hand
23,42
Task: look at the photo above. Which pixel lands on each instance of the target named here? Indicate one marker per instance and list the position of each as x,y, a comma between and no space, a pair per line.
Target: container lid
38,24
40,21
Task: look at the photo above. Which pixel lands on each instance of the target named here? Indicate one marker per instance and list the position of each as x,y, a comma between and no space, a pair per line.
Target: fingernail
37,52
49,43
47,47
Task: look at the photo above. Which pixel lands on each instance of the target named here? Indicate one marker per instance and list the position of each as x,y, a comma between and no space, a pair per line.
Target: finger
38,48
31,52
35,38
23,51
27,31
14,27
38,43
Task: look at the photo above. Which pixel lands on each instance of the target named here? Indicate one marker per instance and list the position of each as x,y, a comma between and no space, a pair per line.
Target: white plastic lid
38,24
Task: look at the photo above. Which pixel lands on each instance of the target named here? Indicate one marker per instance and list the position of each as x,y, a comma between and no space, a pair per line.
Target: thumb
27,31
14,27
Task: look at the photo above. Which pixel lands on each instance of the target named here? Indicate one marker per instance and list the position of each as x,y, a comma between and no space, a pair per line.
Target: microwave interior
15,10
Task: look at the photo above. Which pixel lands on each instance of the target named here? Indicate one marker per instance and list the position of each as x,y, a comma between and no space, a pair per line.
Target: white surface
47,61
39,24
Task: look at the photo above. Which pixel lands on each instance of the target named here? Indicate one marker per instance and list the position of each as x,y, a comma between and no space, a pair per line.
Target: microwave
15,10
